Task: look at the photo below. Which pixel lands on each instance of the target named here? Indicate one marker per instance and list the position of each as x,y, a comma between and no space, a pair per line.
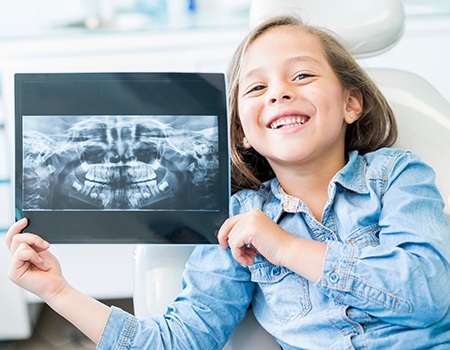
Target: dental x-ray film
122,157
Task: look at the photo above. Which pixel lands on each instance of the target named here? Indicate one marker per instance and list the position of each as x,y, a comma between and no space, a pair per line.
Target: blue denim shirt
385,281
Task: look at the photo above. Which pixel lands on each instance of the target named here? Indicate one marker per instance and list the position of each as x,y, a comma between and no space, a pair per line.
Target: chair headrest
367,27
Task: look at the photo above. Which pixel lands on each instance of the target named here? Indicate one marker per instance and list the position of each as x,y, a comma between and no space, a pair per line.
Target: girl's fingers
15,229
225,230
243,257
26,255
34,241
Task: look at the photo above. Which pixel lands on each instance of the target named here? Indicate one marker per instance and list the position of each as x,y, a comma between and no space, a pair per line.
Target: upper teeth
112,174
288,122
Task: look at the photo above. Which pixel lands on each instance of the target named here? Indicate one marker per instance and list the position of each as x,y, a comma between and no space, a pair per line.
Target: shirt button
276,271
334,277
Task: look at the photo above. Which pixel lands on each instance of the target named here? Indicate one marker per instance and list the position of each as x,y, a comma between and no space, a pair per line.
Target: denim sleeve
405,279
215,296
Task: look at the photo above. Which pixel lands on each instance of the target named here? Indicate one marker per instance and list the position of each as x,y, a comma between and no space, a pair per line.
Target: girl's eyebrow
288,61
305,58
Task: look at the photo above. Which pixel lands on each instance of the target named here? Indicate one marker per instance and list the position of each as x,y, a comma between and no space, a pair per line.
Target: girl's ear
246,143
354,106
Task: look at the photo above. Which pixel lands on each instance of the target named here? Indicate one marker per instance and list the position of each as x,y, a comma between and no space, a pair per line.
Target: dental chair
423,117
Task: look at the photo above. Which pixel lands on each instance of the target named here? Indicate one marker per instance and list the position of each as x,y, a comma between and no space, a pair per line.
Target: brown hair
374,129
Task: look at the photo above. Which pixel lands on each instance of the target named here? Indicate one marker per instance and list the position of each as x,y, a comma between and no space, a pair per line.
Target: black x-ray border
146,94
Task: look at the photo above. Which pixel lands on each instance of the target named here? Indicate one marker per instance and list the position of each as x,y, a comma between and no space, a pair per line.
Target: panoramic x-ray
120,162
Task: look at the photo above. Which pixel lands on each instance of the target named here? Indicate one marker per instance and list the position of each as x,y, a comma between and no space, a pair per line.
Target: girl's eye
302,76
256,88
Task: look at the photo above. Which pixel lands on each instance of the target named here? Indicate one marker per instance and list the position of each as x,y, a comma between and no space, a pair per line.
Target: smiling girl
335,240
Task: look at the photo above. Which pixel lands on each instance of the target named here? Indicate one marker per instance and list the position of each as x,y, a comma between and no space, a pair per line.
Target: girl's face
291,104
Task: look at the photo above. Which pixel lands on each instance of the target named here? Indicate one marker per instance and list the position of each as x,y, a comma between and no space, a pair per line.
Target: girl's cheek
248,111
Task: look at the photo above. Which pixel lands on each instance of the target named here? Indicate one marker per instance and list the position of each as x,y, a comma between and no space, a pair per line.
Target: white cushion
367,27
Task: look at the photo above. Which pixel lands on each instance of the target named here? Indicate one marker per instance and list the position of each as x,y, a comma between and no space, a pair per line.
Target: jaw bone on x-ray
120,162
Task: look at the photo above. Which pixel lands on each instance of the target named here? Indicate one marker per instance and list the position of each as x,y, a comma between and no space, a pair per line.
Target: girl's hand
32,266
251,233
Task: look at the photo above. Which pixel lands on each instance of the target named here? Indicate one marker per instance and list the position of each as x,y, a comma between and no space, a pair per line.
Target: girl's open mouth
289,122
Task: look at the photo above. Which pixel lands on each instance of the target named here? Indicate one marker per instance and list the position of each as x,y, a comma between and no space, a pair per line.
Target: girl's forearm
305,257
85,313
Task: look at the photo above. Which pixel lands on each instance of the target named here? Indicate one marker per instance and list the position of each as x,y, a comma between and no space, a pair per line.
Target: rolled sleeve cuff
337,267
340,281
119,330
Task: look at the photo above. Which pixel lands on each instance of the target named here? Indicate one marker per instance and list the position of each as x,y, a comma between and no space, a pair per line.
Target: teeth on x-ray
119,162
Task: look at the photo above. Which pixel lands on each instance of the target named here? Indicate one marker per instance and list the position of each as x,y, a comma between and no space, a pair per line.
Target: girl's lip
287,117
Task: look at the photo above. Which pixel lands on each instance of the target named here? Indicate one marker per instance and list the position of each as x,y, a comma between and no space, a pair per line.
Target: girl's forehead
283,42
292,36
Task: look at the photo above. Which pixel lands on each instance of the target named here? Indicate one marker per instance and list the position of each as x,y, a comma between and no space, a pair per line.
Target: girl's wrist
305,257
58,294
84,312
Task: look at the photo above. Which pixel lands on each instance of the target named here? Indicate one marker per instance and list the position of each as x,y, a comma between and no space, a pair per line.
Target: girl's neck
310,184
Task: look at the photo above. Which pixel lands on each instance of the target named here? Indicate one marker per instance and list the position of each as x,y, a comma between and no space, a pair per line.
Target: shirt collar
351,177
290,204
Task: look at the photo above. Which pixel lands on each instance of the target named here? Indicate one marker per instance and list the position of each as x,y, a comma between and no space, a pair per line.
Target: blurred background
141,35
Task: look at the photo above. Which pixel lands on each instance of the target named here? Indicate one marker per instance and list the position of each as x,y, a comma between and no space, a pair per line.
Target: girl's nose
280,93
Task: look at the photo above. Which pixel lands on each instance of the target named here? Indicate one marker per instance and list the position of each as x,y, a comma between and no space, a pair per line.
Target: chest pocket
366,236
285,292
